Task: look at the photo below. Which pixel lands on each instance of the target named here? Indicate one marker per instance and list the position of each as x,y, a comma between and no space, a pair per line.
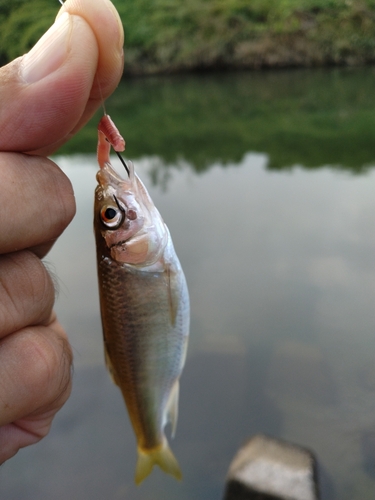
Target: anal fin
109,366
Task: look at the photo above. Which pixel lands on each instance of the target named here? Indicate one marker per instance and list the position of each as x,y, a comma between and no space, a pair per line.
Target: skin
37,115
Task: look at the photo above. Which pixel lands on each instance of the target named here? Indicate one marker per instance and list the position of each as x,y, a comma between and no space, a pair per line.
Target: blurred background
174,35
252,124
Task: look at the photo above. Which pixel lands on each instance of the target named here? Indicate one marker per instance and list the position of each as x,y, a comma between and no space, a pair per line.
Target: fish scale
132,336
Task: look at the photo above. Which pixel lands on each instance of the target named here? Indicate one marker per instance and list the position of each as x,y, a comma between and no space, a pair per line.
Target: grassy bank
180,35
172,35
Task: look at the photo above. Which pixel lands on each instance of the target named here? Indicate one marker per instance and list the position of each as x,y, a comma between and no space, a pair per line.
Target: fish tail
162,456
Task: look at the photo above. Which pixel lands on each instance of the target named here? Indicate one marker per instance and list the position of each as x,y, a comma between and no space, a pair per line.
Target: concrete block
270,469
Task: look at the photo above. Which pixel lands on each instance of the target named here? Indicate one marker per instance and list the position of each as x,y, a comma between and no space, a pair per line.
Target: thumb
47,94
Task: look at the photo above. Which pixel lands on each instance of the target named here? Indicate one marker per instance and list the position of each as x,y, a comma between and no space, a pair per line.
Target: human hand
45,97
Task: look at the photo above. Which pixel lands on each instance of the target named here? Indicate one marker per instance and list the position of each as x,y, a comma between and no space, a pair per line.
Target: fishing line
101,95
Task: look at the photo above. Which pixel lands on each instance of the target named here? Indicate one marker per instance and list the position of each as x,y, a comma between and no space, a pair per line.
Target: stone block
270,469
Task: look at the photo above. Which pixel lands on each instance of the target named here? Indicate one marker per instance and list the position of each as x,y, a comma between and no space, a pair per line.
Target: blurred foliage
170,35
22,23
311,118
175,35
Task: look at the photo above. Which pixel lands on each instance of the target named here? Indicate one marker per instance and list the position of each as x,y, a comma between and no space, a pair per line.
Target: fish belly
145,319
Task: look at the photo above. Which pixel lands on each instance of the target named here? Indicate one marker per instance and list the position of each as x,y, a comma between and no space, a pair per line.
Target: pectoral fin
172,297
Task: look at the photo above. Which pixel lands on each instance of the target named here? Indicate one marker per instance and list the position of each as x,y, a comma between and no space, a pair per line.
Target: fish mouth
107,176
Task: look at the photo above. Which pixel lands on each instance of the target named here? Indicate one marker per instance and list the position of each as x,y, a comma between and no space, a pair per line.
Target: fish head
127,224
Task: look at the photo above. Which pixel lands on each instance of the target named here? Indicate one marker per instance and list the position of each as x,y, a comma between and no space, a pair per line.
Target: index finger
53,90
104,20
106,24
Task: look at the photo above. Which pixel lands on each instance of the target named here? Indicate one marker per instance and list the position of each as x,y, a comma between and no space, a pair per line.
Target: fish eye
111,216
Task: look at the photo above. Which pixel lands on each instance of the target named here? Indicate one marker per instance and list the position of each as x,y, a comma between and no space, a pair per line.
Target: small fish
144,304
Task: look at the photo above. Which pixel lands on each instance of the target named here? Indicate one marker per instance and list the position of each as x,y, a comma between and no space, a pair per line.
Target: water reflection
303,117
280,271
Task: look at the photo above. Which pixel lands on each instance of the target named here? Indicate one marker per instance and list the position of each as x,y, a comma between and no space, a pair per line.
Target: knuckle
26,291
49,361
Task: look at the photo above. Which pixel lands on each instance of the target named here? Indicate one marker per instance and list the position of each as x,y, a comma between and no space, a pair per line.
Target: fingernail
49,52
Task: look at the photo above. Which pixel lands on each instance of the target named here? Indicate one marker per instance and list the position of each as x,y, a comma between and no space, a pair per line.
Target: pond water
277,242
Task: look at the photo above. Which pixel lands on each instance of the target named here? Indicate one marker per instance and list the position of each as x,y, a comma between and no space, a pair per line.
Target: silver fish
145,312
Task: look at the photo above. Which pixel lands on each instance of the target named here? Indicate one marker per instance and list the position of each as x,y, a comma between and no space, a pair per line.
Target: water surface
280,267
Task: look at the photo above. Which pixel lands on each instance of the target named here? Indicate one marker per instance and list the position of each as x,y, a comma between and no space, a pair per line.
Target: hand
45,97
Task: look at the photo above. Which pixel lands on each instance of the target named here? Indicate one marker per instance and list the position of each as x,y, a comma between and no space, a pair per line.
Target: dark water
275,231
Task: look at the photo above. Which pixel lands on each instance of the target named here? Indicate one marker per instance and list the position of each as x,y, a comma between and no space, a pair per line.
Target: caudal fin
161,456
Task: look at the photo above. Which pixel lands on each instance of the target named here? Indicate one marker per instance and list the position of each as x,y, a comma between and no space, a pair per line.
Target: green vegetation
172,35
305,117
22,23
175,35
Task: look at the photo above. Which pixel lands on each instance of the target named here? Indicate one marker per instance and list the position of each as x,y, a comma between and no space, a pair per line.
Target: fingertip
106,24
98,13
